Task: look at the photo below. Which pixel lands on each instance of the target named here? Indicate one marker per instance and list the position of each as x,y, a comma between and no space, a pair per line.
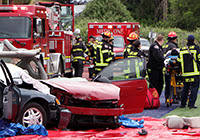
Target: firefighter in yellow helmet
103,55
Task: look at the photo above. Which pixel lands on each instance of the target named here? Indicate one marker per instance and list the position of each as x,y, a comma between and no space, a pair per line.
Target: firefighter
111,42
103,56
189,57
135,50
128,52
91,47
172,42
170,45
78,53
155,64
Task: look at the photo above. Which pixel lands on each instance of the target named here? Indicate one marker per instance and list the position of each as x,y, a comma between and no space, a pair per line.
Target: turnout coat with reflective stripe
103,54
189,61
78,51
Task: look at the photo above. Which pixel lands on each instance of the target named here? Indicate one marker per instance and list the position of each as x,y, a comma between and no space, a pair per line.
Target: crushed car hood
86,90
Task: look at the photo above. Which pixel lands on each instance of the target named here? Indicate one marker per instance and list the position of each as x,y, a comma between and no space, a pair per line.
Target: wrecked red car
99,104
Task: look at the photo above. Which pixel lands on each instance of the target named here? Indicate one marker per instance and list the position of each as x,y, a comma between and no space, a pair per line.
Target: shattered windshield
15,27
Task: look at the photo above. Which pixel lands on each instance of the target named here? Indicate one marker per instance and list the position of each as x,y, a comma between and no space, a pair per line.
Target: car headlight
57,101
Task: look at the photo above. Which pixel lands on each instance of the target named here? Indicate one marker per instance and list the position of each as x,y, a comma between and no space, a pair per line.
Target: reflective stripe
165,46
109,59
102,64
98,69
105,51
196,72
137,69
189,80
67,56
74,50
131,56
46,58
79,57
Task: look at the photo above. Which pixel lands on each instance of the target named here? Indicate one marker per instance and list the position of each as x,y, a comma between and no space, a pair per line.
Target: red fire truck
120,31
45,25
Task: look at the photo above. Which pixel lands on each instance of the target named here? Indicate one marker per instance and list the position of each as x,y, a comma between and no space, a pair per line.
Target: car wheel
33,113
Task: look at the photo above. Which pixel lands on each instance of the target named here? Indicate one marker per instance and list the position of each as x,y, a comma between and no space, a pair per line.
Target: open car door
10,95
128,74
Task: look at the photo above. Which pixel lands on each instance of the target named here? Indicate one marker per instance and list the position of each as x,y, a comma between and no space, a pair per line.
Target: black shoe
190,107
182,106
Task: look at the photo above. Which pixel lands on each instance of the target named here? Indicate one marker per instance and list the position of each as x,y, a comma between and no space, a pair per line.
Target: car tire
33,113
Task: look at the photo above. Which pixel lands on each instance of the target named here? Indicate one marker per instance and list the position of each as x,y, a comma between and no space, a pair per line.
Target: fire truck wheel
33,113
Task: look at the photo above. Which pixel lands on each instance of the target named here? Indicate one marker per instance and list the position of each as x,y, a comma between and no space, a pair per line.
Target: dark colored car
25,104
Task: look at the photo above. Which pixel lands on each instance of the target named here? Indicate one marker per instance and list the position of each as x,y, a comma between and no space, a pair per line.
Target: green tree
185,14
107,10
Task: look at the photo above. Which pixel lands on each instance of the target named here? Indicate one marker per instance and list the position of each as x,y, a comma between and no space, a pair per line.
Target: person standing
135,50
172,42
170,45
131,38
78,53
156,63
91,48
103,56
189,57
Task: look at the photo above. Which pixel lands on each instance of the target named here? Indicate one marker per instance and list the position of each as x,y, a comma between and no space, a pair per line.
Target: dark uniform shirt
156,56
169,46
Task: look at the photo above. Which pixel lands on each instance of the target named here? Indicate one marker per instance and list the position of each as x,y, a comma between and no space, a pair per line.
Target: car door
128,74
10,94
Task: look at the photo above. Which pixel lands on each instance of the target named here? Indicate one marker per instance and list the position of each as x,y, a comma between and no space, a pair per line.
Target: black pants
156,79
167,85
194,86
78,66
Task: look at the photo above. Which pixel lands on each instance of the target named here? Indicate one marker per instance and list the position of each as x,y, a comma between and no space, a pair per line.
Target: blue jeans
194,91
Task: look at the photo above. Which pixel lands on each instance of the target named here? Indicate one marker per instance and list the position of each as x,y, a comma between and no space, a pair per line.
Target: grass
186,112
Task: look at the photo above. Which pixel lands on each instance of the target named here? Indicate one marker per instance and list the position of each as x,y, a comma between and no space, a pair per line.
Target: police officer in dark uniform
78,53
103,53
155,64
190,62
170,45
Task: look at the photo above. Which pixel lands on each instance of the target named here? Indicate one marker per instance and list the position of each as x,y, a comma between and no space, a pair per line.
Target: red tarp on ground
156,131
